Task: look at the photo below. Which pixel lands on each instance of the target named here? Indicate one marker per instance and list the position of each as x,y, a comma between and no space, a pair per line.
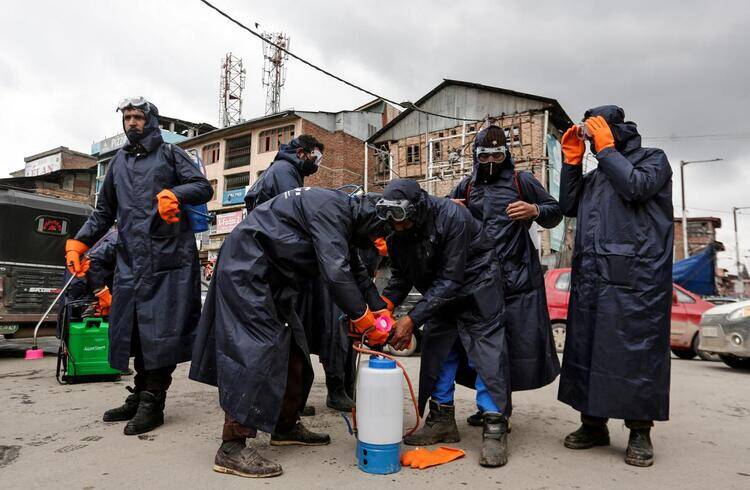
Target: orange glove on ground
424,458
381,246
169,206
600,131
573,147
388,304
105,302
74,249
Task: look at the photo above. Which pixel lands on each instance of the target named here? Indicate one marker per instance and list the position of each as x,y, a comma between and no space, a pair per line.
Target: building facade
234,157
60,172
700,232
437,150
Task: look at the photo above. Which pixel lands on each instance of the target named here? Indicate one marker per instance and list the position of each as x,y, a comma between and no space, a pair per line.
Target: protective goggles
582,131
318,157
495,155
139,103
397,210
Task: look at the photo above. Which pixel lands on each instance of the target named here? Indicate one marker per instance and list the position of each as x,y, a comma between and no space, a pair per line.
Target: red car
687,309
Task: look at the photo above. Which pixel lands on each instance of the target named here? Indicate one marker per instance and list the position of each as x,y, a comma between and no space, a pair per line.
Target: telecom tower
274,69
230,91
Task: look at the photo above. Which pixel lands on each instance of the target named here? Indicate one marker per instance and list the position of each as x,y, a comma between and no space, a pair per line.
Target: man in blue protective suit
507,202
616,360
440,249
156,285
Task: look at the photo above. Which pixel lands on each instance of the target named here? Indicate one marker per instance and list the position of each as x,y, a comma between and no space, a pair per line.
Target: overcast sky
678,68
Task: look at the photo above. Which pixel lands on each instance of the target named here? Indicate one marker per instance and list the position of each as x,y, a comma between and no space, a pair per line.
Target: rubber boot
439,427
640,451
494,440
150,414
125,411
299,436
476,420
235,458
337,398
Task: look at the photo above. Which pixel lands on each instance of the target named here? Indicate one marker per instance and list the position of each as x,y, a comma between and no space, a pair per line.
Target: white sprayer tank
380,415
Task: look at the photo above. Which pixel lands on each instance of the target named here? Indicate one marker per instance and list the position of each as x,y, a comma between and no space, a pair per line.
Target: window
472,129
516,135
440,134
436,151
238,152
270,139
453,132
682,297
210,153
412,154
563,282
214,182
237,181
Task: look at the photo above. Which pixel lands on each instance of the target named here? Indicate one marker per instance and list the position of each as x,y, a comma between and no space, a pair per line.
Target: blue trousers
446,386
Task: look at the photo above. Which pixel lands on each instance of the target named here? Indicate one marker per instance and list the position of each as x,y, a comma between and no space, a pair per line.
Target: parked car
721,300
687,309
725,331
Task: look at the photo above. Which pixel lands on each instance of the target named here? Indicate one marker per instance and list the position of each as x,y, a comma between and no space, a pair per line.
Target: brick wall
343,159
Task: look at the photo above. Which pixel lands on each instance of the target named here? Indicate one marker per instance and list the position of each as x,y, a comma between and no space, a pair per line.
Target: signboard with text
226,222
45,165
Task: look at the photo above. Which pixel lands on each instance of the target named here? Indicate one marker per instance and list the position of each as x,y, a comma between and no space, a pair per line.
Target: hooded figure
616,360
491,192
443,253
156,286
286,172
251,342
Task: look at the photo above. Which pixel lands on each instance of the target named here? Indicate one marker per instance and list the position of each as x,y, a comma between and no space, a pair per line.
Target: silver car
725,330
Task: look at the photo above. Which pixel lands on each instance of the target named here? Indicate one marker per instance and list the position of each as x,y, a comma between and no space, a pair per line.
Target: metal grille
26,284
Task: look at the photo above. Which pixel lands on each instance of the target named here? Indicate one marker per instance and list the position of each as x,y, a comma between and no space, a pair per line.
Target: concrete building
236,156
436,150
700,231
59,172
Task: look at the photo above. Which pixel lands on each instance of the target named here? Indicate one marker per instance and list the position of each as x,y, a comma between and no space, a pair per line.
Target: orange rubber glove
424,458
366,325
169,206
573,147
388,304
381,246
105,302
600,131
74,249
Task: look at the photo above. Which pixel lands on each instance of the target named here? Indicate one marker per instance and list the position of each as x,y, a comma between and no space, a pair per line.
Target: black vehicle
33,231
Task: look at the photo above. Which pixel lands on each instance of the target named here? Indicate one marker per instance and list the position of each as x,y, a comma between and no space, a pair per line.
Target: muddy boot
150,414
439,427
476,420
640,451
234,458
494,440
337,398
592,432
299,436
125,411
308,411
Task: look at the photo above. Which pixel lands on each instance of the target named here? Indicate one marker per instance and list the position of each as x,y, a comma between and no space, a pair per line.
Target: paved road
52,436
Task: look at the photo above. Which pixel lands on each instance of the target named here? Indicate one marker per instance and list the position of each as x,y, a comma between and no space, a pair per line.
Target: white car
725,330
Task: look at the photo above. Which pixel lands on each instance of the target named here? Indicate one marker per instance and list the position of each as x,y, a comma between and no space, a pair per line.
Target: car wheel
706,356
558,336
684,353
736,362
404,352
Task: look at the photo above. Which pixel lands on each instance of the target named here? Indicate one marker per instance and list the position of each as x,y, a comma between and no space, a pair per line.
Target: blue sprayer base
380,459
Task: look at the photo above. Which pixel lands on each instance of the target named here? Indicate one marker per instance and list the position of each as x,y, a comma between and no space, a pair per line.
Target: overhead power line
328,73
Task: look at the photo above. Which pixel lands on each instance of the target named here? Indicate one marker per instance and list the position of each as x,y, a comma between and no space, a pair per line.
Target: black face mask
134,136
309,167
488,172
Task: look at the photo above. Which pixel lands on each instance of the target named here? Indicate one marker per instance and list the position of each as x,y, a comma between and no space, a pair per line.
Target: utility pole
685,251
274,68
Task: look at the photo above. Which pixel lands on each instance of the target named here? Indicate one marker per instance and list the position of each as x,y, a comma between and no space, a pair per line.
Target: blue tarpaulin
696,273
